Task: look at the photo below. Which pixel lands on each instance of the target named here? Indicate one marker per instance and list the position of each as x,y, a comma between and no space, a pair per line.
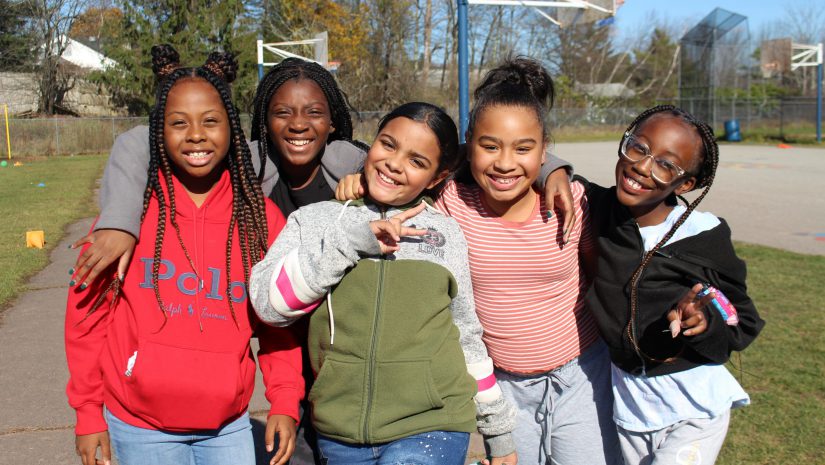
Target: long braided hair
704,173
297,69
248,208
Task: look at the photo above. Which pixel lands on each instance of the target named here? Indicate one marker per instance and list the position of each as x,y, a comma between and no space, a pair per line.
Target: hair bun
222,64
165,60
521,71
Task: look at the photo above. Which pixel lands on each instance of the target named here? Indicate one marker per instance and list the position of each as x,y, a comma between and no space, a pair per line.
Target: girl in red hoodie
166,350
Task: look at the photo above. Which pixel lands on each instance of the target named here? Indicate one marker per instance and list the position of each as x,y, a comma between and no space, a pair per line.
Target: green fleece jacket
396,346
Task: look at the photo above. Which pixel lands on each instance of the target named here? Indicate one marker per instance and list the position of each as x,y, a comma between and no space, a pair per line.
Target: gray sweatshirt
326,243
126,174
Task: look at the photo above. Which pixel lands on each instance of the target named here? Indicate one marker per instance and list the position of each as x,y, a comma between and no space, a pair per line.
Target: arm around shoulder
124,182
341,158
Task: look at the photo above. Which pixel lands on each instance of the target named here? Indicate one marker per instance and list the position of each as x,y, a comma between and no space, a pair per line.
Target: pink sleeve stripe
486,383
285,288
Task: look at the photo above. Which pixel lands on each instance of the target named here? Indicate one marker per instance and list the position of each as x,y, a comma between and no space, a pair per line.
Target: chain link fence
775,118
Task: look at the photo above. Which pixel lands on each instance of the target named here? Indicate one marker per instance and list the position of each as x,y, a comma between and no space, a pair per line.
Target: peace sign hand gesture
390,231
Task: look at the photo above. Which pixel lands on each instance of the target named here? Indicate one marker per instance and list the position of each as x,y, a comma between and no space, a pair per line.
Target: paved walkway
770,196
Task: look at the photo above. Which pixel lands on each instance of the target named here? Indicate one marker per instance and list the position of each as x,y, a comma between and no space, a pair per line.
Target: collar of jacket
369,201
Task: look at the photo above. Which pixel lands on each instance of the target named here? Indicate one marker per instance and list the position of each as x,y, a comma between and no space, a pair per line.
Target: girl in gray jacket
402,375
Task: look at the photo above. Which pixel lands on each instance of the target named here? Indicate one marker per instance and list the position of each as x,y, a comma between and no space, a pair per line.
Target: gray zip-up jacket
389,320
125,176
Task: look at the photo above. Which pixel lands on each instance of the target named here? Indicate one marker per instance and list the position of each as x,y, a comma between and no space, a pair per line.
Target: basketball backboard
594,11
775,56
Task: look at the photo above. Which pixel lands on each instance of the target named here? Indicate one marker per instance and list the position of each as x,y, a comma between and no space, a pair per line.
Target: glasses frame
623,153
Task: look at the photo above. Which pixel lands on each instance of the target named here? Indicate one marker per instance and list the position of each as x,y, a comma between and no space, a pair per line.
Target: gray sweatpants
689,442
565,416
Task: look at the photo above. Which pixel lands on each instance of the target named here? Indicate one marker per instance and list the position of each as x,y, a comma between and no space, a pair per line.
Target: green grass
65,197
784,369
771,134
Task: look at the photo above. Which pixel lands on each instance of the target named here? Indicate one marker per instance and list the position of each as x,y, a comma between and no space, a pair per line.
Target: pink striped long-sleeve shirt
529,290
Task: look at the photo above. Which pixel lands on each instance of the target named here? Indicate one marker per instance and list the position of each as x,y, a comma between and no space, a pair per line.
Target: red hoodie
198,371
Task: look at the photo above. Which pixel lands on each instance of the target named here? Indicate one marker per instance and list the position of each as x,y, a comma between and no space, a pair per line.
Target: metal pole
8,138
260,60
463,71
819,97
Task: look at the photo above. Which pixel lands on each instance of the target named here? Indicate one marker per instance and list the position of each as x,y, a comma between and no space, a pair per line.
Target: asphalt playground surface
768,195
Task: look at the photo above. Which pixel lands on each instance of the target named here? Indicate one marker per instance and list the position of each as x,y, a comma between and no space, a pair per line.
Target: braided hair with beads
297,69
248,208
704,174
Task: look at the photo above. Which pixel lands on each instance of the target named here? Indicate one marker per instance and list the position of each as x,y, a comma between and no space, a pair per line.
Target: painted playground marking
753,166
820,237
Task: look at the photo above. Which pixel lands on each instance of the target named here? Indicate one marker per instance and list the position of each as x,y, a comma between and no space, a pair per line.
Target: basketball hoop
806,55
583,10
775,57
567,12
600,12
319,43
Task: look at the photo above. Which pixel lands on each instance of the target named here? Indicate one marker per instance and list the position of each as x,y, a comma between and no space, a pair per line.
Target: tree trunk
428,32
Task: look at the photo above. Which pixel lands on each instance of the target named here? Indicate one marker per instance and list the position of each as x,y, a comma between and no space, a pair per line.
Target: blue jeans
431,448
230,444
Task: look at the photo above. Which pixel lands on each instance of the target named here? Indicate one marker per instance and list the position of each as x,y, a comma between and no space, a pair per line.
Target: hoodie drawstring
329,293
545,408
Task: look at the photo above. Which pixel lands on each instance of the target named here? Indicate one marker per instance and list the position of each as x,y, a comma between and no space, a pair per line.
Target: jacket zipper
375,319
633,322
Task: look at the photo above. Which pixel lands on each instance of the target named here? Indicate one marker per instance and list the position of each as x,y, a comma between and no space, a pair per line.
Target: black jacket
706,257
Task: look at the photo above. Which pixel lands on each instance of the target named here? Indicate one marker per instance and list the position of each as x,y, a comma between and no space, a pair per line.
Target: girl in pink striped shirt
528,283
526,275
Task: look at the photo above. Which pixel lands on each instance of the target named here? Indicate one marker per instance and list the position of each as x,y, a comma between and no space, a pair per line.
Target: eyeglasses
664,171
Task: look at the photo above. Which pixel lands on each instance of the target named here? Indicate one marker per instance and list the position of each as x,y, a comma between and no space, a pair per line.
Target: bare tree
50,23
428,33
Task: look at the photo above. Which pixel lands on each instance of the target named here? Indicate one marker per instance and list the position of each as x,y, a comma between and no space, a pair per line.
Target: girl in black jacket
668,341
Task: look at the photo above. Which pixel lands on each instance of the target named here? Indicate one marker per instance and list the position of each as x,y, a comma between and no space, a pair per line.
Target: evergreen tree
193,27
16,42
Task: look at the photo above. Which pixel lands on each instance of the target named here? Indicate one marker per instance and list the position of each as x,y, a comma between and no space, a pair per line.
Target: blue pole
259,43
819,102
463,71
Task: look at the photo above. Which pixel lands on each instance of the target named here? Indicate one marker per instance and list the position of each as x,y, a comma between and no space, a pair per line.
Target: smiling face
196,133
402,162
669,138
299,121
506,152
